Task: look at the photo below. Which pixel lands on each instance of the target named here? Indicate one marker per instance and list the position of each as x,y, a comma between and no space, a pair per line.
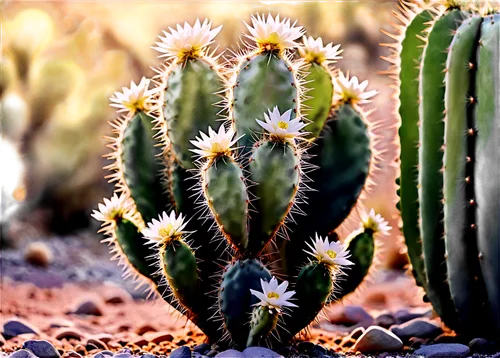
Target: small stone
123,355
377,339
104,337
446,338
181,352
145,328
22,353
100,355
353,315
482,346
260,352
403,316
148,355
385,320
230,353
107,353
202,348
159,337
87,307
357,333
443,350
15,327
212,353
140,341
41,348
125,350
118,297
38,254
72,354
419,327
97,343
61,324
68,334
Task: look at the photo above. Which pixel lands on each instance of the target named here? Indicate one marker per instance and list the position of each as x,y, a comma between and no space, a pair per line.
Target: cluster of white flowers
136,98
350,90
113,209
313,51
215,143
168,227
375,222
273,34
273,295
333,254
281,125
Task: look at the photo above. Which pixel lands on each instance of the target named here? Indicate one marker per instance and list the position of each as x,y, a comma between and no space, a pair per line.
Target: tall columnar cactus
450,155
283,142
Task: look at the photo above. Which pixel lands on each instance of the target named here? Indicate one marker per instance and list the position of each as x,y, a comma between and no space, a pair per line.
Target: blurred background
61,61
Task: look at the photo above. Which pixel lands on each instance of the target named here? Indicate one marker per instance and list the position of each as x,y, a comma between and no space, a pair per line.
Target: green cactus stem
192,91
235,300
263,81
431,153
411,49
264,320
275,167
226,195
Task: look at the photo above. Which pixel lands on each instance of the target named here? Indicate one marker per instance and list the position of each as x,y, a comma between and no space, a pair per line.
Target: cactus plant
450,133
182,167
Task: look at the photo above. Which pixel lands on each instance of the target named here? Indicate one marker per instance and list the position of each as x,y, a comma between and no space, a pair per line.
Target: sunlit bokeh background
61,61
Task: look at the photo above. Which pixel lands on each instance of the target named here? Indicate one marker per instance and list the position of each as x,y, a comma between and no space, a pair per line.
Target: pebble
443,350
118,297
97,343
230,353
15,327
68,334
145,328
123,355
22,353
202,348
353,315
385,320
72,354
260,352
159,337
181,352
482,346
419,327
376,339
357,333
212,353
104,337
41,348
403,315
87,307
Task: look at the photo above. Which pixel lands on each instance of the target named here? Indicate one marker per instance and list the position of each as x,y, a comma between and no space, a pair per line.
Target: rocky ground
78,305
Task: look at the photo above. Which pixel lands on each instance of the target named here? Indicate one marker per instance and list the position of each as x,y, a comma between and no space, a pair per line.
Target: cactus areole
210,163
450,159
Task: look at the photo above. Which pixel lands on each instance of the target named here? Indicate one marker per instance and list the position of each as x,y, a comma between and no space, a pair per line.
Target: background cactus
450,133
244,180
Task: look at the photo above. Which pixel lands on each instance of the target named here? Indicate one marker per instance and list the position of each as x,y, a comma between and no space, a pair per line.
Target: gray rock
22,353
122,355
202,348
148,355
353,315
482,346
41,348
260,352
107,353
181,352
403,315
443,350
357,333
385,320
15,327
378,339
100,355
230,353
419,327
88,307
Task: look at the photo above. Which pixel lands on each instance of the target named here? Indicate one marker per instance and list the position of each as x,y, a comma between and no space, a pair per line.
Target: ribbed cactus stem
264,320
432,114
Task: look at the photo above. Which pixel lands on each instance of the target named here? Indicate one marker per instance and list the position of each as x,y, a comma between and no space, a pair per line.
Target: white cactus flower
166,229
273,295
273,34
187,41
333,254
313,51
112,209
375,222
281,125
215,144
136,98
350,90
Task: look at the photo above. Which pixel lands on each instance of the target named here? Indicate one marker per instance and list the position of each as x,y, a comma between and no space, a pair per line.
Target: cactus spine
231,187
457,181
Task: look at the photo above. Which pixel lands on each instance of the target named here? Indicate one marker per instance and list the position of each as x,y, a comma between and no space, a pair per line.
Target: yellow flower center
189,52
273,295
332,254
165,231
282,125
272,43
314,57
138,104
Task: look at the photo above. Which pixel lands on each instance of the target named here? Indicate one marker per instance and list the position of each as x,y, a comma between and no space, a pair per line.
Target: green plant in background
449,183
238,149
52,103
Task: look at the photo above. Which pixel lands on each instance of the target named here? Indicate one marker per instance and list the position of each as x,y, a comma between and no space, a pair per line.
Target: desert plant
449,185
255,159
